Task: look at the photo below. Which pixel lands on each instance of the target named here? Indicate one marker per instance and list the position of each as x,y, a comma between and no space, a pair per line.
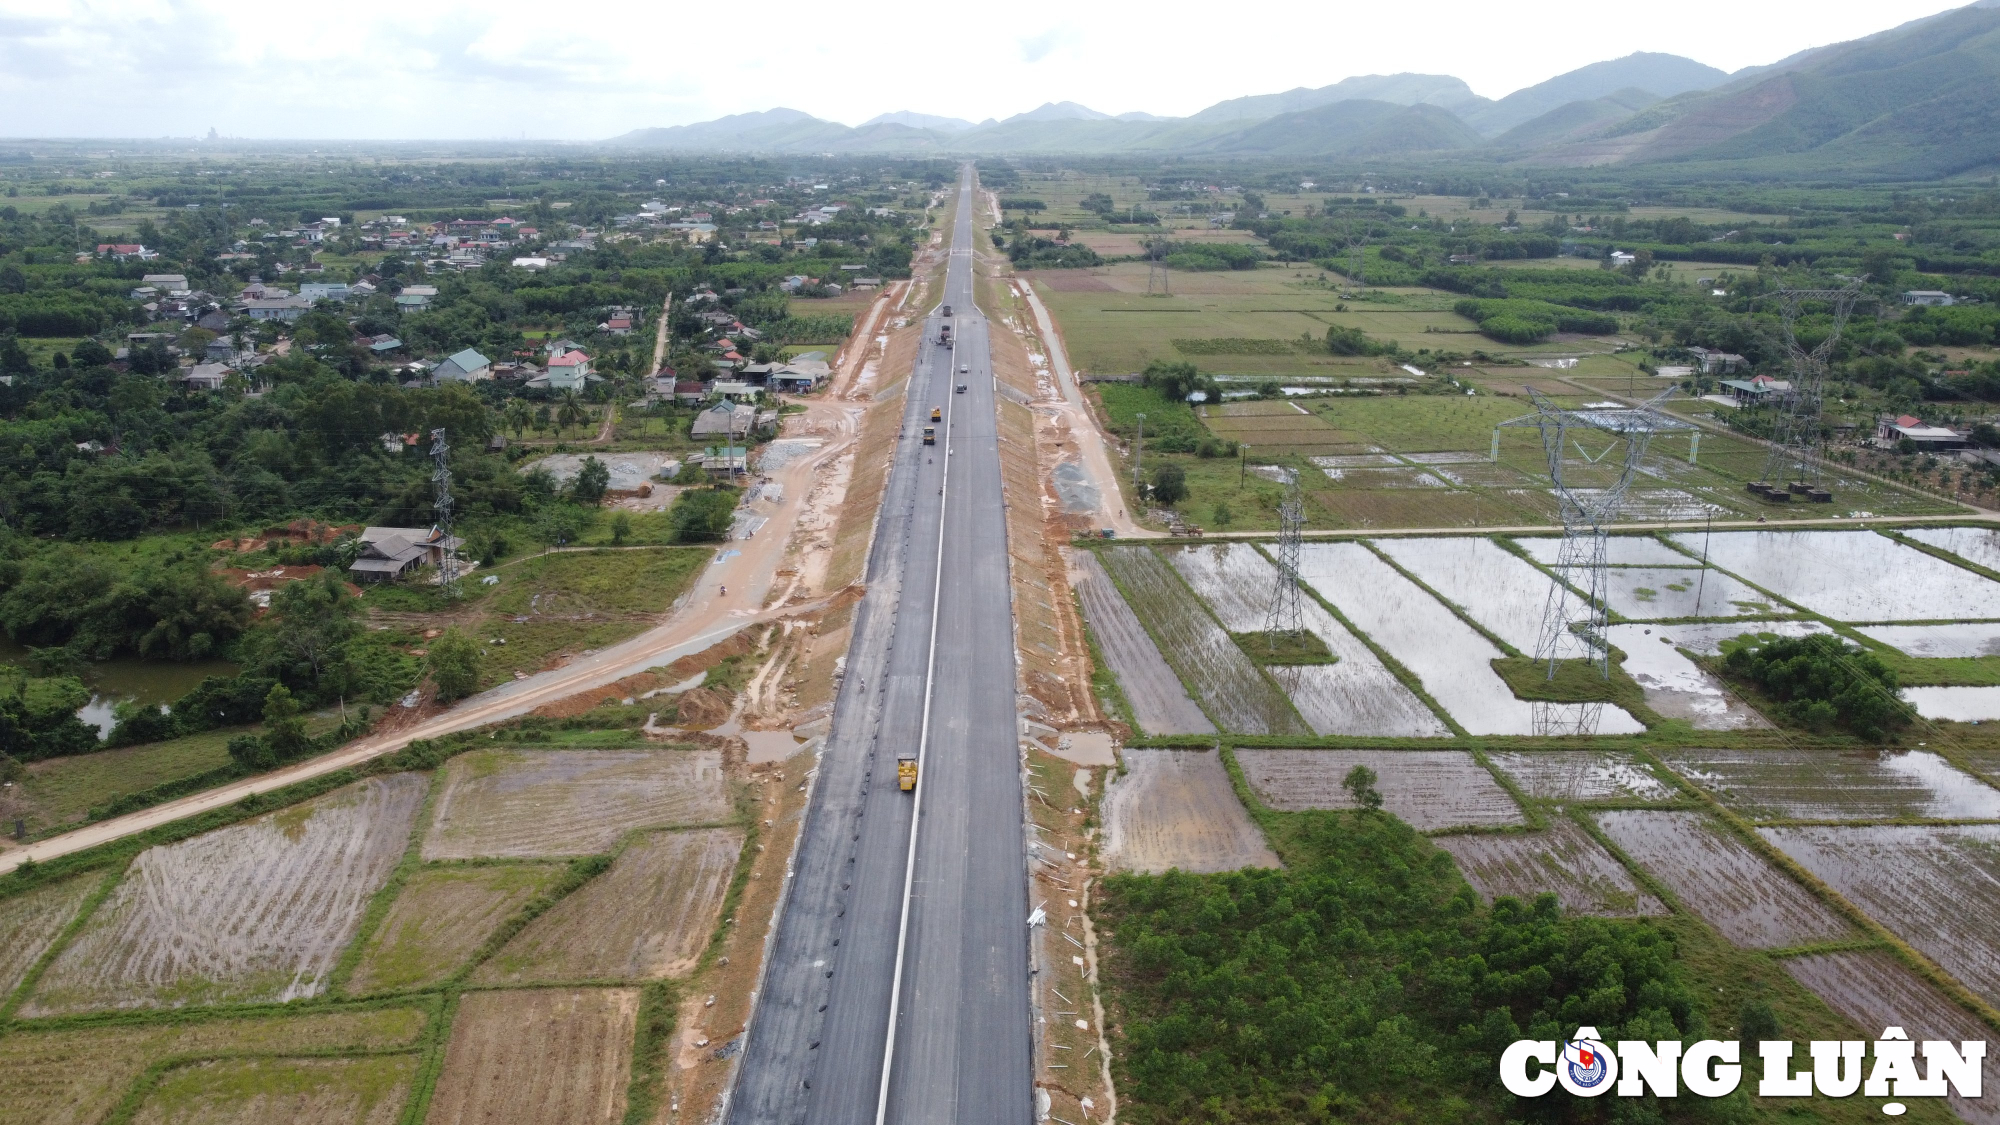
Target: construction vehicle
906,770
947,312
937,415
944,336
930,435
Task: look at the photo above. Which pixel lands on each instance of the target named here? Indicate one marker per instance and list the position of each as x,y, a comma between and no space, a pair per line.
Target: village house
388,553
569,371
1908,427
467,366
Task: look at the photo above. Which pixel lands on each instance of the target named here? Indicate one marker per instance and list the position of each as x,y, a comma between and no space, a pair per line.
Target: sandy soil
366,1091
514,803
649,916
1425,788
1070,1058
1722,880
551,1056
258,911
1176,808
1563,860
440,919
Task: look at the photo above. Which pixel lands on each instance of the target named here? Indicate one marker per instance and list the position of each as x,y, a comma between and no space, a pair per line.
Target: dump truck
930,435
937,414
944,336
906,770
947,312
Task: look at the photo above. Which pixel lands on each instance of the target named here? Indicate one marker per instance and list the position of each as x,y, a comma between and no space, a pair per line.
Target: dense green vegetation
1365,983
1821,682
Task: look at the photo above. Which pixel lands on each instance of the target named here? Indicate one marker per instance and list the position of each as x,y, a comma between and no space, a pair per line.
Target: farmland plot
1358,695
74,1076
1160,705
1874,990
649,916
1723,881
1955,704
256,912
1936,888
1449,657
1853,575
1677,687
1959,639
1426,789
517,803
1230,687
441,918
1706,638
1177,809
1978,545
1581,775
546,1056
1654,594
1619,550
29,923
1563,861
1491,584
1836,785
363,1091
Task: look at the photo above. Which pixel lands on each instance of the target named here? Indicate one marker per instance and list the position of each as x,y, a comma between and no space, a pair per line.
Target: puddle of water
1085,748
770,745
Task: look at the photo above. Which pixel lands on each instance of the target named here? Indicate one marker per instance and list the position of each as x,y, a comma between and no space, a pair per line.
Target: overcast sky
596,68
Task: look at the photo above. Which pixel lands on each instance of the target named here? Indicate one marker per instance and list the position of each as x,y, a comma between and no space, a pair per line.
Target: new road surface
897,985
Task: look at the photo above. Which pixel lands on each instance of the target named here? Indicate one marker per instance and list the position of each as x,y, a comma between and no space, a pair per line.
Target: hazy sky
596,68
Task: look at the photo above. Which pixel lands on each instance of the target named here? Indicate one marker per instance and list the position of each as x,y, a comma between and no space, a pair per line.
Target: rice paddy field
536,803
1159,703
1852,576
440,919
1562,860
1675,686
1718,877
1811,784
1429,789
545,1054
1581,775
1175,809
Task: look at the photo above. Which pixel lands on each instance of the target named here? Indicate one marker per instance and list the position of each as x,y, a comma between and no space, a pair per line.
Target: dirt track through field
1176,808
255,912
1426,789
649,916
1563,860
1722,880
1159,703
517,803
546,1056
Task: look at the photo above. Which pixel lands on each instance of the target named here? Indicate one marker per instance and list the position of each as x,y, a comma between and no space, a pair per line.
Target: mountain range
1918,100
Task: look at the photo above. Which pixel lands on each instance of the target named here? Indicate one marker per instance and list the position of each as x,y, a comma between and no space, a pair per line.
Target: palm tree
518,416
570,411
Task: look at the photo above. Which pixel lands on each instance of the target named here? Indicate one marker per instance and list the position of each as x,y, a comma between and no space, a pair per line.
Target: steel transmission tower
441,484
1156,268
1576,613
1284,617
1796,466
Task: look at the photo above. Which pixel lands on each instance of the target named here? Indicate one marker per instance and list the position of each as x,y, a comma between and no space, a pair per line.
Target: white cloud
507,68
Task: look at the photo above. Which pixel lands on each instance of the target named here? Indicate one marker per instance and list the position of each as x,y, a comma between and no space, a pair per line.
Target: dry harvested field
74,1076
1358,695
1230,687
1853,575
1782,784
1564,861
1722,880
649,916
29,922
258,911
440,918
1160,705
1176,808
523,803
1427,789
1874,990
364,1091
545,1056
1582,775
1936,888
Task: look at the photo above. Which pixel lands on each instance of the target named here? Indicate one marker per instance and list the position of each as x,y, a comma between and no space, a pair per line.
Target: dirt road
746,567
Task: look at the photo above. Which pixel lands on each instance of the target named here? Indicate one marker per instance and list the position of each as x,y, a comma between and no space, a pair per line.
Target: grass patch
64,790
1575,681
1285,648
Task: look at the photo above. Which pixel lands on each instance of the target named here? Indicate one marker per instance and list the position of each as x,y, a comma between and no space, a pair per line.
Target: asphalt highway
897,985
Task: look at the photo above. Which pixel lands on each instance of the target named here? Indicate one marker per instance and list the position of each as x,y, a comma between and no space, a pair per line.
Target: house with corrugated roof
389,553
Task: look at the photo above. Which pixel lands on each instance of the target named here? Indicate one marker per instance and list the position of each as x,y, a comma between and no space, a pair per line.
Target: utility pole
1242,466
1138,451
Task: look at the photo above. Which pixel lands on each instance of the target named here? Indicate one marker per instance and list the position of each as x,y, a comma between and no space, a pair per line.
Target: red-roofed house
124,250
1909,427
569,371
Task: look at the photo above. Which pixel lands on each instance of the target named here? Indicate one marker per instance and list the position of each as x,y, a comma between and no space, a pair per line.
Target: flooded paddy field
1160,705
1723,880
30,923
1978,545
1800,784
1494,586
1427,789
1936,888
1564,861
1357,695
1955,704
1450,658
1619,550
1874,990
1675,686
1581,775
1177,809
649,916
1852,576
1958,639
255,912
1662,593
1706,638
1231,689
532,803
